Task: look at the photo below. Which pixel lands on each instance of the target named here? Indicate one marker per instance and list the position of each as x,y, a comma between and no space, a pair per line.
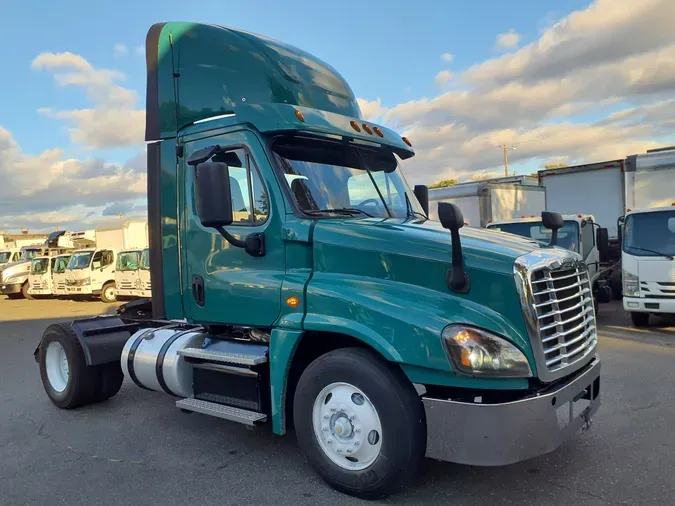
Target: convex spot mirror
214,201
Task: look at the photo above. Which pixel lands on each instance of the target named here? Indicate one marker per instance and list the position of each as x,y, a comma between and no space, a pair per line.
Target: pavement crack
648,406
584,493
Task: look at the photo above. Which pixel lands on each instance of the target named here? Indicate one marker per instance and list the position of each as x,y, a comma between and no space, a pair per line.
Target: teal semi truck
298,283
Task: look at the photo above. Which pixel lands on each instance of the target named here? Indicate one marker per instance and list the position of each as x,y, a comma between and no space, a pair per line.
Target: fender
102,338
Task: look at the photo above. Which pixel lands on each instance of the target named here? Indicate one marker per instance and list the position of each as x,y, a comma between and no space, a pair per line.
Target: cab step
228,352
231,413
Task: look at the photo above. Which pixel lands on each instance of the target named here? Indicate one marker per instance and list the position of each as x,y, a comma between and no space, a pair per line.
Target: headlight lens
478,352
631,284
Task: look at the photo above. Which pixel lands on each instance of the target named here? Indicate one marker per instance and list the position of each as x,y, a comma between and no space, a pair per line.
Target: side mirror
602,240
554,222
451,218
422,193
214,202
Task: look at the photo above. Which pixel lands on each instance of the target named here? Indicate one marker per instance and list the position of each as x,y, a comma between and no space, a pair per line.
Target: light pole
506,148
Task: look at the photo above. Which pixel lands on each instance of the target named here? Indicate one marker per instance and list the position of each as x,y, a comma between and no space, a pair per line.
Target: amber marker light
367,129
378,131
355,125
292,301
299,115
407,141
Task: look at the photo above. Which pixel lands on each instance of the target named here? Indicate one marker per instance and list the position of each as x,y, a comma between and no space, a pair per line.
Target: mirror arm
457,278
254,244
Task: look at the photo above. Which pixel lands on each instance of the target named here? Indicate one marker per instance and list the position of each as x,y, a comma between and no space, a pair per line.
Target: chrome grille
126,285
557,303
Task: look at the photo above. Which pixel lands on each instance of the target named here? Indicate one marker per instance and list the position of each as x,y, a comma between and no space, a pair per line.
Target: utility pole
506,148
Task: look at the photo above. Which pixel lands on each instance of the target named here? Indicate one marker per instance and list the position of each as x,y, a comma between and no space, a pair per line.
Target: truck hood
75,274
424,240
15,269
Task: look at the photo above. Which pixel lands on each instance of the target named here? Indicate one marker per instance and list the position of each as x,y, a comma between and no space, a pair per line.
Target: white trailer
590,189
648,248
483,202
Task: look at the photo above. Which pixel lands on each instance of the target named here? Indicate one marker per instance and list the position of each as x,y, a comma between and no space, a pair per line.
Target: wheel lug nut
326,417
330,441
333,410
324,428
349,450
339,450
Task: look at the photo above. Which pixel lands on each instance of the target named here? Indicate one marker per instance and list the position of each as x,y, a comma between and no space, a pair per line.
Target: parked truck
14,275
296,281
145,287
59,287
91,270
127,270
483,202
648,252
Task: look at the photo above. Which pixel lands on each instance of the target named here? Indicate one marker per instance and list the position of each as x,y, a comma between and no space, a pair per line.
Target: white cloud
113,121
120,49
47,189
447,57
443,78
507,40
140,50
371,110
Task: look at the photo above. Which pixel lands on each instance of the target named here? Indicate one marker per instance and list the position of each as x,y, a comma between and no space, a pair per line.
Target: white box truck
483,202
91,270
128,266
648,247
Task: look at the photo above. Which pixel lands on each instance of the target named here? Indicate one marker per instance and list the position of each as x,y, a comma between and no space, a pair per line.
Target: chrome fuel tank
150,358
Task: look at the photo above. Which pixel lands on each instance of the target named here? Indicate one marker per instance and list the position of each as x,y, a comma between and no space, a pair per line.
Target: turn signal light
355,125
405,139
299,115
628,210
378,131
292,301
367,129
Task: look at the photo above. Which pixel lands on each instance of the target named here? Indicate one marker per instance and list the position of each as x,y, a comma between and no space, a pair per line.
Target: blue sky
572,81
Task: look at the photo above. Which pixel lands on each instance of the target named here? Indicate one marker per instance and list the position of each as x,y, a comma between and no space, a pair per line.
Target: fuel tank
150,358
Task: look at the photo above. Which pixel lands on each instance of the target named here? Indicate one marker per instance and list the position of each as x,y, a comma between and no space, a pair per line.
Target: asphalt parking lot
137,448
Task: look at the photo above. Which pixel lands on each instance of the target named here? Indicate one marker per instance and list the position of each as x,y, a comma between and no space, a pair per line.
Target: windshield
61,264
39,266
80,260
325,176
29,254
145,259
568,235
650,231
4,256
128,261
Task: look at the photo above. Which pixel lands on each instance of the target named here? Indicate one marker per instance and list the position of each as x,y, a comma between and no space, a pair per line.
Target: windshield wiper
669,257
409,211
350,211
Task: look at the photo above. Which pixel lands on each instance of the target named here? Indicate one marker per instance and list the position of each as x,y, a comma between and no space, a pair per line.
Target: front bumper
79,290
39,291
10,288
502,434
640,305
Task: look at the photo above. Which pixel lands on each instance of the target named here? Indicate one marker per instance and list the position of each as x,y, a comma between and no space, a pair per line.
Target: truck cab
297,279
91,272
14,275
648,261
145,286
40,279
7,256
59,275
127,278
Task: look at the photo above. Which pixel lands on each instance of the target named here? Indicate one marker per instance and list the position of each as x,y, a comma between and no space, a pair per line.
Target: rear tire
640,319
24,292
66,378
383,399
108,293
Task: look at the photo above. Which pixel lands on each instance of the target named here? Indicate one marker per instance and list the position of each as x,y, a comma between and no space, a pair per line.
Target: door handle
198,290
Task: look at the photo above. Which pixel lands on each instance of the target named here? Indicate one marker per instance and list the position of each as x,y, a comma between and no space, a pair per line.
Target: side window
97,261
107,257
588,237
250,204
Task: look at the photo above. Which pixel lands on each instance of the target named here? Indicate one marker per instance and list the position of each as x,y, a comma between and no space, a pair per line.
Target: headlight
85,281
478,352
631,284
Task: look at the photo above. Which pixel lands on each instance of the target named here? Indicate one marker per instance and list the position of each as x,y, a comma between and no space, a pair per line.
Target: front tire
24,292
68,381
640,319
109,293
360,422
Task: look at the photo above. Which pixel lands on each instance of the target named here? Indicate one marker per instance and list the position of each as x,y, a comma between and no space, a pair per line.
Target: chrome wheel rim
56,364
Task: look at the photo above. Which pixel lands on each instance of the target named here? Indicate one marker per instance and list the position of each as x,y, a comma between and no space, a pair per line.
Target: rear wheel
24,292
640,319
68,381
108,292
360,422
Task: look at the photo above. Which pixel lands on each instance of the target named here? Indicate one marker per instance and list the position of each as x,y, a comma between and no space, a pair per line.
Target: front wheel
109,292
640,319
360,422
24,292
